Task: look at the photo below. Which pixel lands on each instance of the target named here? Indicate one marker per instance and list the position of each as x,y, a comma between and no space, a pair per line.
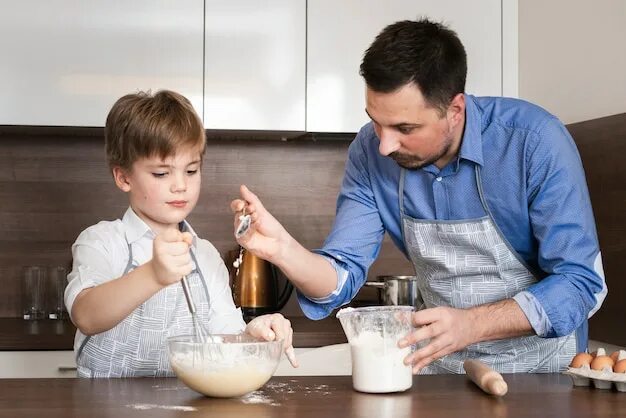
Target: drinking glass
57,280
33,292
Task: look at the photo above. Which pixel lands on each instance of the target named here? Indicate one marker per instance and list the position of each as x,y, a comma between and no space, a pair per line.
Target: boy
123,293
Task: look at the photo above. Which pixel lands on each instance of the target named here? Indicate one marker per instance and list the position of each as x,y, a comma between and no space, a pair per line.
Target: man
486,196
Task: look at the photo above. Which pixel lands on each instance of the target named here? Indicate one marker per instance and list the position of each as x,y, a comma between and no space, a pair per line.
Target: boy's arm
100,308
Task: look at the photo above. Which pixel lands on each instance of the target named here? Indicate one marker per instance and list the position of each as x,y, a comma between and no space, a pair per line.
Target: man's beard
411,162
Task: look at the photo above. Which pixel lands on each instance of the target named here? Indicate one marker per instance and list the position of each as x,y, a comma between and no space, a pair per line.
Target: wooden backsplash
53,186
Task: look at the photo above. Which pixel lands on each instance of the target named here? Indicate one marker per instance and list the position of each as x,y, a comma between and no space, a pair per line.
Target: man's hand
171,259
449,329
266,237
446,329
274,327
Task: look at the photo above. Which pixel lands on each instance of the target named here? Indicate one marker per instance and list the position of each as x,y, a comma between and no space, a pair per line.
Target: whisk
199,331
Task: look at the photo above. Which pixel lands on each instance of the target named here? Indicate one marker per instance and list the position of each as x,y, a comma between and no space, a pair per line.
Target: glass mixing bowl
225,365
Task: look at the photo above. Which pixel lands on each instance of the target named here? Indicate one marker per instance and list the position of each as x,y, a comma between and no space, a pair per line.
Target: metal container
397,290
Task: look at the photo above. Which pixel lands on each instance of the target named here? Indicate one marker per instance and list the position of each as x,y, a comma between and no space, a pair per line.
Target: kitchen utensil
33,292
231,365
244,224
397,291
200,331
377,361
486,378
255,286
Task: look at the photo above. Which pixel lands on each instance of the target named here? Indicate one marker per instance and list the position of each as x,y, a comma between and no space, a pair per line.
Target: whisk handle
187,291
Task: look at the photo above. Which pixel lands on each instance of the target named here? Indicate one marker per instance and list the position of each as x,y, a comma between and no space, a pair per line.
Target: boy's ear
121,179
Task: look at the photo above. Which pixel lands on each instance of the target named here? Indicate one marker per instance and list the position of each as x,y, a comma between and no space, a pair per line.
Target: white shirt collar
136,228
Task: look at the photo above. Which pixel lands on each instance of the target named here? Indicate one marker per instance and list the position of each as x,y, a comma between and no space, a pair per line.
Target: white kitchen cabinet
65,62
255,65
37,364
338,33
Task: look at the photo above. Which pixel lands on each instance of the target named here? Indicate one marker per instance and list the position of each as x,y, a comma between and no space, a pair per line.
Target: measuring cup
377,361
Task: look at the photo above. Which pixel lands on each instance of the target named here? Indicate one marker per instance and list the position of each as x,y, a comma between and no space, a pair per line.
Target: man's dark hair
421,52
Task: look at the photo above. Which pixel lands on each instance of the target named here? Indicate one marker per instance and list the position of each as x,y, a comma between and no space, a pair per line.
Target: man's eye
405,131
159,175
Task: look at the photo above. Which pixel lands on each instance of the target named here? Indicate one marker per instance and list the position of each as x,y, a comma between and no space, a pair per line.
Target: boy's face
162,192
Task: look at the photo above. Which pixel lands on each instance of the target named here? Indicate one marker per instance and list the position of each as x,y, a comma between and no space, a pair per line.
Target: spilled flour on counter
148,406
157,387
258,397
282,391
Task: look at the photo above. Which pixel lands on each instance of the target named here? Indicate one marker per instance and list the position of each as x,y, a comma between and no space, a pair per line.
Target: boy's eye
159,175
192,172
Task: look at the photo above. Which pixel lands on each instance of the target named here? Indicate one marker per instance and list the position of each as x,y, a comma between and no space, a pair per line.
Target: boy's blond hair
144,125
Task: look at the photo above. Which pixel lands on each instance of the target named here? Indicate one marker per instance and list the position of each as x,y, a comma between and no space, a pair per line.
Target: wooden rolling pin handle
485,378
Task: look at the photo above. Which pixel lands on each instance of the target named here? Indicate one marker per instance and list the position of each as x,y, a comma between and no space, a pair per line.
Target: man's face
413,133
163,192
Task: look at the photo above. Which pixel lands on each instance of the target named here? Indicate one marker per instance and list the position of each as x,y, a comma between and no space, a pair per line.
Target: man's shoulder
513,114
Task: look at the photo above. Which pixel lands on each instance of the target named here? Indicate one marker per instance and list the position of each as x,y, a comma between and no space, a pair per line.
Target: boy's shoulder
104,233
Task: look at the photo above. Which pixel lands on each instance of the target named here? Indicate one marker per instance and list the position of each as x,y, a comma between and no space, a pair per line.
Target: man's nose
388,142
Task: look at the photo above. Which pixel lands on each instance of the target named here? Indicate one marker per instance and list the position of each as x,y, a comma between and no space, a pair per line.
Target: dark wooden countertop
530,395
17,334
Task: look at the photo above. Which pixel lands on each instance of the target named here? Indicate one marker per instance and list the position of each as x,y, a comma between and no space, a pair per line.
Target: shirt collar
471,144
136,228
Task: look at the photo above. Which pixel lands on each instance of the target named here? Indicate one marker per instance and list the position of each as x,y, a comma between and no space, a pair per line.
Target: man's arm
331,276
451,329
564,228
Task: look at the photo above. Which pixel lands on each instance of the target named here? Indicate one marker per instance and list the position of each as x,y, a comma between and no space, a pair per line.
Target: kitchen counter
530,395
17,334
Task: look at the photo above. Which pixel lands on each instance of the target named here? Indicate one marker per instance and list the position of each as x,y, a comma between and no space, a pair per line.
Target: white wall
572,57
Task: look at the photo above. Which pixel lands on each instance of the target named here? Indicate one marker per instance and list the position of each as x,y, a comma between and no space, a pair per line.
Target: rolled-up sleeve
90,266
564,228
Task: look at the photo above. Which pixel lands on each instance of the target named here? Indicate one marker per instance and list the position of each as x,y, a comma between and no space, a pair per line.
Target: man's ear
456,109
121,179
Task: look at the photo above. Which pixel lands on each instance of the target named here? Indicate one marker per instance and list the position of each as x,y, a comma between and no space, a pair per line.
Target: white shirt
100,254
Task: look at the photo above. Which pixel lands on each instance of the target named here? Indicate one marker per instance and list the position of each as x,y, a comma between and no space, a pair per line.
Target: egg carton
601,379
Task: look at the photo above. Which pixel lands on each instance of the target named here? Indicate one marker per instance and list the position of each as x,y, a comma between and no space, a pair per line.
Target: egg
620,366
600,362
580,360
614,356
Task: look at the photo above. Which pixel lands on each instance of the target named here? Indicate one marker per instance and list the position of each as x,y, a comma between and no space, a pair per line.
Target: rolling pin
487,379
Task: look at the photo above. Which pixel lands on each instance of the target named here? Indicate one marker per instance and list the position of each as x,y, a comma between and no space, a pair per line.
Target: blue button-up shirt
534,186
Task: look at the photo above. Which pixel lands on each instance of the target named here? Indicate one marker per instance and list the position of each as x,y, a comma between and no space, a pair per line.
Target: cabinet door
37,364
338,33
65,62
255,64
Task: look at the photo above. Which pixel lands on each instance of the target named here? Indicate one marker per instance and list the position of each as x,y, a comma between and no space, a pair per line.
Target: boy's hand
274,327
266,237
170,256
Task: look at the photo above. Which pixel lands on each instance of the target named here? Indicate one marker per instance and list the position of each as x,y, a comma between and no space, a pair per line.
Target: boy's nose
179,184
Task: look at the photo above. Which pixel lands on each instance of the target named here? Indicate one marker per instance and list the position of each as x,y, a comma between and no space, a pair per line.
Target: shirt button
438,179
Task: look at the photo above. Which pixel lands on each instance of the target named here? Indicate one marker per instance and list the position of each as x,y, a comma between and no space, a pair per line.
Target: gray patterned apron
464,263
137,345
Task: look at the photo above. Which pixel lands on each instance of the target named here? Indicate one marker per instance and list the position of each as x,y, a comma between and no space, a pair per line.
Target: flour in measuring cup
377,364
